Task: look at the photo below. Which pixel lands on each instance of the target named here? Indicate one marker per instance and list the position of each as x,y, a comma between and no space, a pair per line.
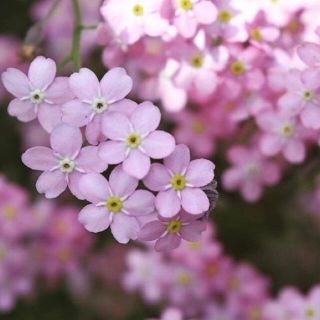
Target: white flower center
66,165
99,105
36,96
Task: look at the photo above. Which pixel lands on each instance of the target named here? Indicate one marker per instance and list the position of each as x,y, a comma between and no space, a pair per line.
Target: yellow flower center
256,34
197,126
197,61
67,165
308,95
3,252
293,26
114,204
184,278
178,182
133,140
237,68
64,255
185,5
234,283
254,313
310,313
224,16
174,226
138,10
9,212
194,245
212,269
287,130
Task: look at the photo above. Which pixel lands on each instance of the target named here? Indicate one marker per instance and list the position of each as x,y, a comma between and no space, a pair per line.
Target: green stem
75,49
89,27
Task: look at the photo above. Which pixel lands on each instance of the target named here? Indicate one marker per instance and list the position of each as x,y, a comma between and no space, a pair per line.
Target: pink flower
64,163
282,135
191,13
37,95
179,181
94,99
134,140
302,97
250,171
169,233
309,53
116,203
133,19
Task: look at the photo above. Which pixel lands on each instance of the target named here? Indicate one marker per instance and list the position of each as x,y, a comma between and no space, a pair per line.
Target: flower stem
75,49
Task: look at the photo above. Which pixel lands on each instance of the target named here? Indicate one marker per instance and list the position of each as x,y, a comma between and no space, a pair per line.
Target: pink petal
121,183
295,151
49,116
158,177
205,83
158,144
93,131
84,84
76,113
39,158
231,178
59,91
205,12
152,231
186,25
125,106
179,160
94,219
115,84
154,25
23,110
200,172
169,242
52,184
94,187
309,53
310,117
66,140
74,184
42,72
271,145
290,104
124,228
194,201
146,118
89,160
167,203
251,191
115,126
137,164
16,82
113,152
192,231
140,203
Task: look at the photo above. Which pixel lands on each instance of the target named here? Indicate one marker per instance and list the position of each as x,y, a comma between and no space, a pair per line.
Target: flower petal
124,106
74,184
192,231
152,231
76,113
84,84
66,140
140,203
179,159
121,183
94,219
42,72
113,152
157,178
115,84
115,126
137,164
205,12
39,158
93,131
295,151
200,172
167,203
94,187
16,82
59,91
158,144
89,160
124,228
169,242
49,116
146,118
52,184
194,201
23,110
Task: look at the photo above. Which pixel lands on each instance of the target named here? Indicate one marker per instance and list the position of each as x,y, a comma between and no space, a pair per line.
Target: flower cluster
119,132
